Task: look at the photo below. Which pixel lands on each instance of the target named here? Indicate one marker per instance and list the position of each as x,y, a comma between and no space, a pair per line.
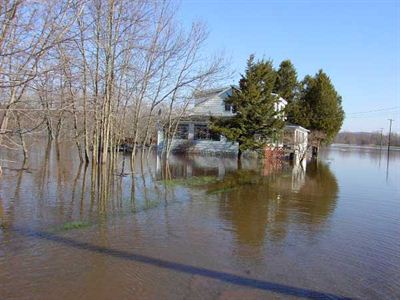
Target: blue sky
356,42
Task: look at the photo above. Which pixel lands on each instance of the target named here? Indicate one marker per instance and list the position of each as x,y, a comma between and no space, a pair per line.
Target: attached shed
295,140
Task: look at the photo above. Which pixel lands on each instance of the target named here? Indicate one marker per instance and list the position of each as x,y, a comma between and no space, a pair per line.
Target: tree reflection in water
264,207
261,201
258,202
272,221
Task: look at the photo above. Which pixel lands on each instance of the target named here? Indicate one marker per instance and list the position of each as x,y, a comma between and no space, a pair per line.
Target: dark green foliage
256,120
4,225
192,181
319,107
74,225
221,190
286,85
286,81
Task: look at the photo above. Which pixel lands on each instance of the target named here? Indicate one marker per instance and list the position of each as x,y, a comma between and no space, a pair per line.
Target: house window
202,132
214,135
227,107
182,132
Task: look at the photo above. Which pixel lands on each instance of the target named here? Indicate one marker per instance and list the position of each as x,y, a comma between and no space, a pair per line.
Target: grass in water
3,226
221,190
192,181
74,225
150,204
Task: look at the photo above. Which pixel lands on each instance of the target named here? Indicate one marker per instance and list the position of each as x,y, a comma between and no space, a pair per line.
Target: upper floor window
228,107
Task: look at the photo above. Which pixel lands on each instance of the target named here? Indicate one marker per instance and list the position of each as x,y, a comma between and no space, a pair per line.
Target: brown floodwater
199,228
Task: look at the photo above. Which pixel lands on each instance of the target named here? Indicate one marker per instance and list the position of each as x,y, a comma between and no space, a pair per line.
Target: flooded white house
193,134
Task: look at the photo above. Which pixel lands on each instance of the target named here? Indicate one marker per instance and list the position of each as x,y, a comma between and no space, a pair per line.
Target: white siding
191,145
204,146
213,106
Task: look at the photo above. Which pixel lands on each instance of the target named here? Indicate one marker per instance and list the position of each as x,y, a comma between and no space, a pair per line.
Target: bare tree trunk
6,115
22,139
84,90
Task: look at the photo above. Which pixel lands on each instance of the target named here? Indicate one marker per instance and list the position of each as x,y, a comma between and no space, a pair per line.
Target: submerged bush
221,190
192,181
74,225
4,225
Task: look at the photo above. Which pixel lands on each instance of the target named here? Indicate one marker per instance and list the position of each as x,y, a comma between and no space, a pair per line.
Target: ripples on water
328,229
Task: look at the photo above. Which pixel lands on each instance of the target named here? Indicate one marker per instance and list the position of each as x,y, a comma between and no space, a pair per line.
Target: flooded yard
199,228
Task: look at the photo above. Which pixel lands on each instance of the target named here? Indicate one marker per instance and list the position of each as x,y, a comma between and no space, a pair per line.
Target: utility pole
390,131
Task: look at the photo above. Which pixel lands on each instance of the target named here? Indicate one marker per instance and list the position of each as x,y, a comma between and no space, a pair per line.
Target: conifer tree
286,81
319,107
256,121
286,85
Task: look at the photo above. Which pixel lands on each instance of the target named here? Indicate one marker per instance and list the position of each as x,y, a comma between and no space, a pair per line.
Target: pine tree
286,85
256,121
319,107
286,81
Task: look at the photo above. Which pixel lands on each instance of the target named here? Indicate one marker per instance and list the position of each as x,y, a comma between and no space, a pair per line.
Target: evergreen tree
319,107
286,81
256,121
286,85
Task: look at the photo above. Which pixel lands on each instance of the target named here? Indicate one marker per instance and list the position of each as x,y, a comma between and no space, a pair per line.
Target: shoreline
369,147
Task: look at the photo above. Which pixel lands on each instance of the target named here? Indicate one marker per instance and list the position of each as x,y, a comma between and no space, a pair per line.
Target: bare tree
28,31
100,73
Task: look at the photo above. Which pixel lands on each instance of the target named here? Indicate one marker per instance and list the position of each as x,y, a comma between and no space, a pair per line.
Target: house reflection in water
181,166
268,202
298,176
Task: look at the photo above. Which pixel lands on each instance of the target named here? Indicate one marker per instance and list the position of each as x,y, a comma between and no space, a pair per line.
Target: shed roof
296,127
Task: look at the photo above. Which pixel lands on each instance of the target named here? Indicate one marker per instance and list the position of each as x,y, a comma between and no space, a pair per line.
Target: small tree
256,120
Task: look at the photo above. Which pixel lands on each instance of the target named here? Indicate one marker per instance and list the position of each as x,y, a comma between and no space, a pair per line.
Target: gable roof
205,95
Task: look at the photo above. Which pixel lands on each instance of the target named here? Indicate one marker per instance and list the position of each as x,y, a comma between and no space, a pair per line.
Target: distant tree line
367,138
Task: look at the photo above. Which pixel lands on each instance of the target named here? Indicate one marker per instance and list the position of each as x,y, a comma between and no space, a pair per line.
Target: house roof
210,92
204,95
294,127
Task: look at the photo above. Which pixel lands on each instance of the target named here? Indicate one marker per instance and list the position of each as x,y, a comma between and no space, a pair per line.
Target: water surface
199,228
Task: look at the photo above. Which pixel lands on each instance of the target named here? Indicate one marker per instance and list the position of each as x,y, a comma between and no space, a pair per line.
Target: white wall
214,106
204,146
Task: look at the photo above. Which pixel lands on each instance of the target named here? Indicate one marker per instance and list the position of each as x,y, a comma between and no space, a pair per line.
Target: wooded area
98,72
